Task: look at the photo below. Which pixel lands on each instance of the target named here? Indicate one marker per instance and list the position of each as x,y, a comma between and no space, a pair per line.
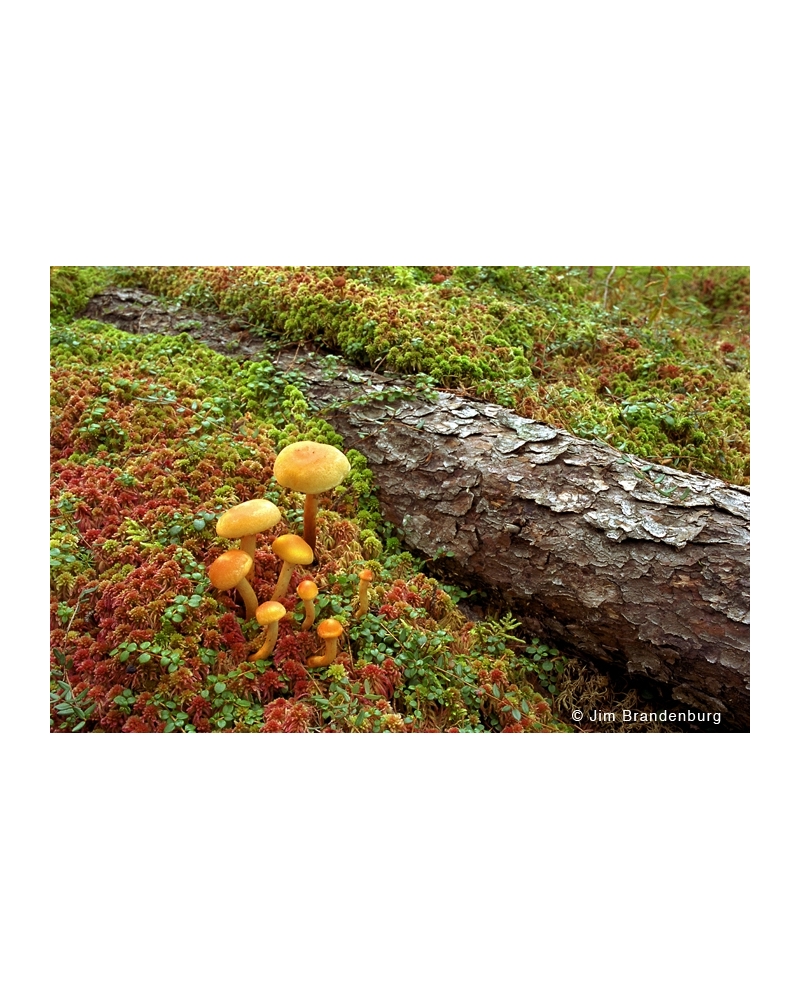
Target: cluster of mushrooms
305,467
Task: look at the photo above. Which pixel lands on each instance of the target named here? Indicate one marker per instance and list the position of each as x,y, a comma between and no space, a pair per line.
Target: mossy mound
152,438
652,361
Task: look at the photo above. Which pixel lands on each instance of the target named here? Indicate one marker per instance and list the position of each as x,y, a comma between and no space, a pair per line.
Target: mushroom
311,468
294,552
307,590
268,614
329,630
246,520
365,578
230,570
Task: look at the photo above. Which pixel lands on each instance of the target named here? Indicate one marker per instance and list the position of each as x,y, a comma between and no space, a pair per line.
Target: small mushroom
294,552
329,631
246,520
311,468
365,578
268,614
230,570
307,590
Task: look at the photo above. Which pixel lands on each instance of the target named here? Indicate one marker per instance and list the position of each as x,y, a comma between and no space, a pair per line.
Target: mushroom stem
283,581
331,649
310,519
248,545
329,631
248,595
307,590
270,638
308,621
364,580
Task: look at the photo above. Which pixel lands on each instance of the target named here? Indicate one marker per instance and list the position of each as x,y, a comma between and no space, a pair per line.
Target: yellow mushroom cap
269,612
229,569
307,590
329,628
293,549
310,467
248,518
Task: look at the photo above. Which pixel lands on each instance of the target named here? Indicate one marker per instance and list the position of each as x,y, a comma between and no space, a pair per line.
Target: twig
608,279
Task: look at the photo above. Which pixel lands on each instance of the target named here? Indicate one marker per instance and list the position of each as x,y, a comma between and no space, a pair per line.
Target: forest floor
476,675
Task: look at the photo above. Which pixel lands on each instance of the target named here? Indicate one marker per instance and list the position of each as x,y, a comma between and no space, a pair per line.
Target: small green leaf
144,658
219,687
198,524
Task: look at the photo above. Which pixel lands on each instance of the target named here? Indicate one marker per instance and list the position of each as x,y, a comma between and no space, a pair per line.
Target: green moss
72,287
153,437
633,357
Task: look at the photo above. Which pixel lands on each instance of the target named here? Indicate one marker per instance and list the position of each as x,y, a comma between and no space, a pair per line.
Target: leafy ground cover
654,361
153,437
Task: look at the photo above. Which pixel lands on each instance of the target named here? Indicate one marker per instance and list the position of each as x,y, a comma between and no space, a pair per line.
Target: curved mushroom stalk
268,614
329,631
365,578
230,570
307,590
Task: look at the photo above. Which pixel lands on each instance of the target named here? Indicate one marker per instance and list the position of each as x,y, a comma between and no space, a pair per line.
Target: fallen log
625,562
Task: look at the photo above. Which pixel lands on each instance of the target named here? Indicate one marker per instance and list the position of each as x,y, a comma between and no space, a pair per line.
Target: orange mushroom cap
293,549
248,518
229,569
310,467
269,612
307,590
329,628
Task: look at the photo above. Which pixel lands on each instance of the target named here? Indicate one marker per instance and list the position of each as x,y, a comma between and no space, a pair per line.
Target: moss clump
152,438
652,361
72,287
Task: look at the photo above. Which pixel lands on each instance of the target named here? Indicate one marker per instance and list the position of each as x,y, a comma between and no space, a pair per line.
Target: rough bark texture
622,561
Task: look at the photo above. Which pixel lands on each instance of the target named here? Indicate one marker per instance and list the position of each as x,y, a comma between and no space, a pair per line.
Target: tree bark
615,558
627,563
